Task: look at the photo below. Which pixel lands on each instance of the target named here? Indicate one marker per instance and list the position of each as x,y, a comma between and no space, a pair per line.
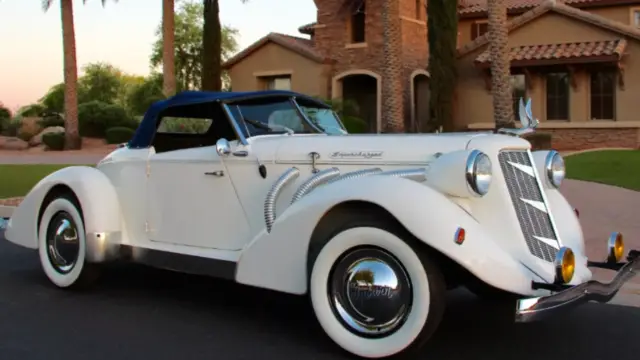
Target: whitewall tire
62,244
389,312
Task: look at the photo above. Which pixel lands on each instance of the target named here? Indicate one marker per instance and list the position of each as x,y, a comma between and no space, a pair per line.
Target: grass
612,167
17,180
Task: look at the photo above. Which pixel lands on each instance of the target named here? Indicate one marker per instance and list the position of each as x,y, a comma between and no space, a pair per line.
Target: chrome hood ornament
529,123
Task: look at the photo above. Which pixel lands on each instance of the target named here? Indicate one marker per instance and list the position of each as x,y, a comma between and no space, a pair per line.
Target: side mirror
222,147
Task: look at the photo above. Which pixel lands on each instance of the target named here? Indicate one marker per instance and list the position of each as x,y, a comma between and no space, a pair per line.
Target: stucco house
578,60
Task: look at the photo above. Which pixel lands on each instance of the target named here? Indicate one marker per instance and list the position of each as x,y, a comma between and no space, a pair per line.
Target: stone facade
331,38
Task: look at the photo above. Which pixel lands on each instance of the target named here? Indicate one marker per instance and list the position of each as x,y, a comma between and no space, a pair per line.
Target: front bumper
531,309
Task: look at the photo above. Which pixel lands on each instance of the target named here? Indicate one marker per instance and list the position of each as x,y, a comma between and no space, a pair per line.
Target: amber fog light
615,247
565,264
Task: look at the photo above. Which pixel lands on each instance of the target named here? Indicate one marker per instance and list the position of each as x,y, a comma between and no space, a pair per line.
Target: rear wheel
374,290
62,244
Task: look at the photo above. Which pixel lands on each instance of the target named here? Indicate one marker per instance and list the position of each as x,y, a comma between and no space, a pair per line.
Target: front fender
96,194
277,260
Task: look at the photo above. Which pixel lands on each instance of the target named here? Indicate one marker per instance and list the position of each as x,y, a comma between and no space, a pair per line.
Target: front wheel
373,293
62,245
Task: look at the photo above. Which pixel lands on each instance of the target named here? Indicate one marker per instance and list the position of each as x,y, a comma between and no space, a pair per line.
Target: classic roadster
269,190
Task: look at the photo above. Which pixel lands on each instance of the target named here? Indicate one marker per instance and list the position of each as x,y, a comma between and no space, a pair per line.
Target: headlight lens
479,172
565,264
555,168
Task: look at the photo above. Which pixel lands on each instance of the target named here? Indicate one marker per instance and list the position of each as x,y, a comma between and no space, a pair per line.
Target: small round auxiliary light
565,264
459,236
615,247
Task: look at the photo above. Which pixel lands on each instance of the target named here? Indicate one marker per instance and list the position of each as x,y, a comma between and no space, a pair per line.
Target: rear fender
277,260
95,193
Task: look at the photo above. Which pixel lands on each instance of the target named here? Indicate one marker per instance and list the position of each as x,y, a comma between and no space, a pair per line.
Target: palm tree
500,64
168,44
392,89
72,134
212,46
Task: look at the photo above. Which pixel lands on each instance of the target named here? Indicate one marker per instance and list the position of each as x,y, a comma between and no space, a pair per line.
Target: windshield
281,116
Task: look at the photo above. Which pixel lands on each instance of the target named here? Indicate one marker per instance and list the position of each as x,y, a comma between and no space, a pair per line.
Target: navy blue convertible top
147,128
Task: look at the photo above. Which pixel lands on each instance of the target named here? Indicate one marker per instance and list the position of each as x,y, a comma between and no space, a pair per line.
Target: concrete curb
6,211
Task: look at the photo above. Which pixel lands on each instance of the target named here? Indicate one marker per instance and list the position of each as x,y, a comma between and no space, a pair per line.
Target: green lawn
17,180
612,167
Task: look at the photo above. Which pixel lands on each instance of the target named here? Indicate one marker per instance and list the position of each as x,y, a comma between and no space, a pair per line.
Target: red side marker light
459,236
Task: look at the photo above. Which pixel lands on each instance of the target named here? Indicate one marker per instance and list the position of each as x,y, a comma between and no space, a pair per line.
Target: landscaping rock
13,143
37,140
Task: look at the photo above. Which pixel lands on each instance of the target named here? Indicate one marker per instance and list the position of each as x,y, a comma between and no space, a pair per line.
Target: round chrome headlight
555,169
479,172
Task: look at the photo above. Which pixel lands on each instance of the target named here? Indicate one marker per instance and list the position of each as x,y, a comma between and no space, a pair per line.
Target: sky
120,34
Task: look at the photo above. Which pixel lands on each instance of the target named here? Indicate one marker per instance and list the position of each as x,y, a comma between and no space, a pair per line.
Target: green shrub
184,125
539,141
32,110
11,127
4,113
50,120
355,125
118,135
96,117
53,141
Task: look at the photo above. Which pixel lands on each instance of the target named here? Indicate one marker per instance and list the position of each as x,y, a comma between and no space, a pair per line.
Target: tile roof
559,8
477,7
566,52
296,44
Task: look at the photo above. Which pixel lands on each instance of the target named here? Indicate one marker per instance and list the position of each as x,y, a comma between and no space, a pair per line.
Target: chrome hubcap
370,292
63,244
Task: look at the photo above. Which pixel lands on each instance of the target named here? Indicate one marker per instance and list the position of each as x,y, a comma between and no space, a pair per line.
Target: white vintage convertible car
269,190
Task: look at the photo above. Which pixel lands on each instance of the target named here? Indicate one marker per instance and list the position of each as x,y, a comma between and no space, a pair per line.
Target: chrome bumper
532,309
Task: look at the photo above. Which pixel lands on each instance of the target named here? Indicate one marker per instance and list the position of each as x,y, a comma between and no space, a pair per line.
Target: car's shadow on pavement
137,311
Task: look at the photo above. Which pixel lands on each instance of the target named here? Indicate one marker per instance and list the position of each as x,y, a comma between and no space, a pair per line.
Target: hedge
53,141
118,135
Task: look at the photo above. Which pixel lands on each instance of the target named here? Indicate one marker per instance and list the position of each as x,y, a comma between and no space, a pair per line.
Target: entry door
191,201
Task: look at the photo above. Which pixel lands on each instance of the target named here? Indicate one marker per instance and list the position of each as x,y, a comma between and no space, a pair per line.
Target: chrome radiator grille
529,204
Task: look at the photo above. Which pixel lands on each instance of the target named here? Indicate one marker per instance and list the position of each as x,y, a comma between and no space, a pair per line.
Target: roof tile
564,51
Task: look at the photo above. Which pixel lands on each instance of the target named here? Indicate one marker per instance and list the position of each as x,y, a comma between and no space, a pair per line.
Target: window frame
632,18
268,80
475,28
556,96
351,33
515,100
601,95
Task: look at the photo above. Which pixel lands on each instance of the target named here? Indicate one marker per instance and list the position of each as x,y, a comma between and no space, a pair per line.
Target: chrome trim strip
532,309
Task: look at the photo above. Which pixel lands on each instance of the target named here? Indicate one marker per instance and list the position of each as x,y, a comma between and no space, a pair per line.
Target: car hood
374,148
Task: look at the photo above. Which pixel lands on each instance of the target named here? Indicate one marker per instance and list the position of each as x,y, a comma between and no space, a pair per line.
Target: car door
191,201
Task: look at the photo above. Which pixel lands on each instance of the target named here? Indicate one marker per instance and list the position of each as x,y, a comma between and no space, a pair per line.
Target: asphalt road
142,313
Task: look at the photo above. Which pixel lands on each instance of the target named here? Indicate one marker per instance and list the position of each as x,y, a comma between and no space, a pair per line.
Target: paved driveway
604,209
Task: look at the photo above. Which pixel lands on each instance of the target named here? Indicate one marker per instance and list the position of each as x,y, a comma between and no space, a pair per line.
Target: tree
188,45
500,64
392,89
212,45
72,134
100,82
442,34
168,53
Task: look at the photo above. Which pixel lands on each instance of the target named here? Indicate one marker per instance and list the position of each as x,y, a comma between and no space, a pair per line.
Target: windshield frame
241,125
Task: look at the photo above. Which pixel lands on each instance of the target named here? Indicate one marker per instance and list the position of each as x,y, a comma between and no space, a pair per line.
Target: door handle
217,173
